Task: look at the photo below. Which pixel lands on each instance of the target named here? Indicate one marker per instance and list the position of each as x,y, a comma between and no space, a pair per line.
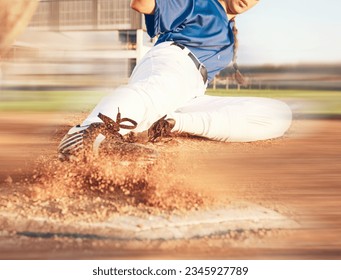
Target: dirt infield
298,176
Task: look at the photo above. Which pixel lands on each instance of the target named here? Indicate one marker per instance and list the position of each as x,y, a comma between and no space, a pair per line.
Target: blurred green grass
49,101
311,102
309,94
325,102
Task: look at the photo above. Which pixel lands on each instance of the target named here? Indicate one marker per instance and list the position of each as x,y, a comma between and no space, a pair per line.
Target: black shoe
161,128
80,139
89,138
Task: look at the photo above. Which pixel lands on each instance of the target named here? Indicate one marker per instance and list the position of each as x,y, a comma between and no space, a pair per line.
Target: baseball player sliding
166,91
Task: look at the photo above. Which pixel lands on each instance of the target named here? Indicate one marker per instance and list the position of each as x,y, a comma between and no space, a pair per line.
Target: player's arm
143,6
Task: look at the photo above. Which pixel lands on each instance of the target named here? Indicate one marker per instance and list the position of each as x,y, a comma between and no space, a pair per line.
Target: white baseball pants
166,81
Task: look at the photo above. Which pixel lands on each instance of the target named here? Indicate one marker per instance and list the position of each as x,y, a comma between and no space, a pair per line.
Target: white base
193,224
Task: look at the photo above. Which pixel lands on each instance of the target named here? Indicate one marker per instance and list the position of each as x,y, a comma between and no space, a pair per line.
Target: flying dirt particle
64,211
8,180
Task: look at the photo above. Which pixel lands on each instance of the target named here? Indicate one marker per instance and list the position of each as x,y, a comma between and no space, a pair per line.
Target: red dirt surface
297,175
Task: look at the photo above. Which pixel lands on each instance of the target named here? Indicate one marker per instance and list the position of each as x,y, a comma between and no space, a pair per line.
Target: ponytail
237,75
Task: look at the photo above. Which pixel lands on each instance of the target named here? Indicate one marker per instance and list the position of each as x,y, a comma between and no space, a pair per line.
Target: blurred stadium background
96,44
72,43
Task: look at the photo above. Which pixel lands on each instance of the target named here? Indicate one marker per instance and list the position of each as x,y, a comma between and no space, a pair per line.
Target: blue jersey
200,25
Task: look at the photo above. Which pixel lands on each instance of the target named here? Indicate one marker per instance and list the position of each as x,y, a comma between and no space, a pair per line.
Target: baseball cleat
102,139
79,139
161,128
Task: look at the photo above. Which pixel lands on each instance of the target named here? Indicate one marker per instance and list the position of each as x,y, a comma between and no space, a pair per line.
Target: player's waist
201,67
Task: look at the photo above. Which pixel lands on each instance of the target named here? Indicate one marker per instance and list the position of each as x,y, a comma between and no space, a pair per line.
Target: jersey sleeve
168,16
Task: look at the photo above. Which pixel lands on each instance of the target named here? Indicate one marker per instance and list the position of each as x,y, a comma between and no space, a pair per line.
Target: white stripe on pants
166,81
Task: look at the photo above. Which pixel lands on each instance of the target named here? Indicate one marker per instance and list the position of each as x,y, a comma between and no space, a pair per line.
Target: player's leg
165,79
233,119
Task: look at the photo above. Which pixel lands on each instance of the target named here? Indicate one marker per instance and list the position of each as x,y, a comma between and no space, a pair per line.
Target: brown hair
237,75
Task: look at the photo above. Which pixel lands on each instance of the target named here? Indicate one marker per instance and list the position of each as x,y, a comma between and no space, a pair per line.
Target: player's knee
277,118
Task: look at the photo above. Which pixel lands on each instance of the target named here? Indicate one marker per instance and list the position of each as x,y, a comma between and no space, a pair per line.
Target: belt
201,68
